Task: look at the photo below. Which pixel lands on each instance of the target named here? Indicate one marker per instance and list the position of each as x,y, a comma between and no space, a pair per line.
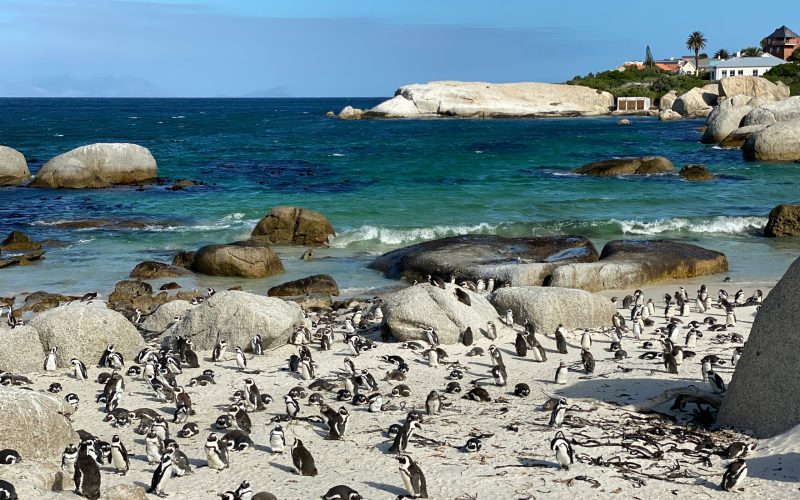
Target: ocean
382,184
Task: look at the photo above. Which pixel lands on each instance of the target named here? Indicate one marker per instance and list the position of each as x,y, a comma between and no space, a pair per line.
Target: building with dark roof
782,43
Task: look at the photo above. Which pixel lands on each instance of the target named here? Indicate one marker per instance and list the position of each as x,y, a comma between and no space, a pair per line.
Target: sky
343,48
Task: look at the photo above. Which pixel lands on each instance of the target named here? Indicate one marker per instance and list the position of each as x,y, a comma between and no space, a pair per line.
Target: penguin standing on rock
413,478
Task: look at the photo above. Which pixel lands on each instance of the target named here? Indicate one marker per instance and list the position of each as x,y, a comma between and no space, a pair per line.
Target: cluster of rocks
487,100
18,249
645,165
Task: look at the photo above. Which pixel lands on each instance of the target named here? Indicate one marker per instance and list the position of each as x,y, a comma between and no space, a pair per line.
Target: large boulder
83,330
97,166
548,307
753,86
34,424
319,283
784,220
165,315
13,168
238,317
350,113
124,492
627,166
407,312
242,261
149,270
696,103
38,479
737,138
723,123
294,226
516,261
667,100
668,115
762,396
21,350
18,241
774,112
777,142
494,100
626,264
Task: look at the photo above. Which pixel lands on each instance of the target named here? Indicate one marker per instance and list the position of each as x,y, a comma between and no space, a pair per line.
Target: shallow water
383,184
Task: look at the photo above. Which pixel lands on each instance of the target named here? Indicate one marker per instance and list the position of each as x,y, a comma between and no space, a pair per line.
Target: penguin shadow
284,468
535,462
784,467
142,484
262,448
194,462
388,488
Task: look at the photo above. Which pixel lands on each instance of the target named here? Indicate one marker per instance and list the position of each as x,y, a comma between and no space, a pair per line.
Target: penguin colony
151,413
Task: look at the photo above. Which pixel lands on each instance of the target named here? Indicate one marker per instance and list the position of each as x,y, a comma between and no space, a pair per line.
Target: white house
745,66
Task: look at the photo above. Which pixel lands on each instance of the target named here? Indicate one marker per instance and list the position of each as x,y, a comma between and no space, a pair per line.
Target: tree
722,54
763,43
648,58
752,52
795,57
696,42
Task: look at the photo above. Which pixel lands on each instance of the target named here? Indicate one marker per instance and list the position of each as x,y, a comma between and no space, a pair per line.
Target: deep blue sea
383,184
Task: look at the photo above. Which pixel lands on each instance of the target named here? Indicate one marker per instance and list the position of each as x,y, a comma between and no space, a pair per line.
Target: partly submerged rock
627,166
238,317
350,113
669,115
318,283
738,137
626,264
34,424
777,142
13,167
516,261
407,312
547,307
696,173
18,241
286,225
97,166
149,270
762,396
784,220
237,260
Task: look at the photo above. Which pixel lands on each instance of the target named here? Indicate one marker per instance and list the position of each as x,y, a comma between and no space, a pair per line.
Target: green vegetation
648,58
722,54
752,52
632,82
787,73
696,42
795,57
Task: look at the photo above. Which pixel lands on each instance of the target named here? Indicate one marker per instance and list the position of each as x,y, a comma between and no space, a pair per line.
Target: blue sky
343,47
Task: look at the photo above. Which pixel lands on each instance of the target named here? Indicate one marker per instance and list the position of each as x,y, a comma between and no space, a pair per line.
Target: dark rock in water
294,226
784,220
17,240
319,283
762,395
151,270
22,259
308,255
632,263
112,223
183,259
181,184
237,260
43,301
627,166
696,173
170,286
518,261
134,288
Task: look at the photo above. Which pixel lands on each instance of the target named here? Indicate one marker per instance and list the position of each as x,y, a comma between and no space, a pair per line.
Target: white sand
362,461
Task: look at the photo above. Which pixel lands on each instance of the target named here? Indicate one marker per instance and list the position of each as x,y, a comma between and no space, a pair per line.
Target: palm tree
722,54
696,42
752,52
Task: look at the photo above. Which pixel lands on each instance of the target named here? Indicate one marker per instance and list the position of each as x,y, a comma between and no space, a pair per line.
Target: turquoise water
383,184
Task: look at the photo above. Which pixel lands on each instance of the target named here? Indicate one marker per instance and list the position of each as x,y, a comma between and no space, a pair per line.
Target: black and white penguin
153,447
496,355
241,360
277,440
81,373
7,491
561,340
561,373
216,453
189,430
433,403
9,456
734,475
588,361
180,462
50,364
257,346
716,382
218,354
463,296
342,492
521,345
558,413
119,456
522,390
292,406
413,478
565,455
491,330
87,472
586,340
89,297
253,394
161,475
473,445
402,439
499,375
737,353
302,460
68,459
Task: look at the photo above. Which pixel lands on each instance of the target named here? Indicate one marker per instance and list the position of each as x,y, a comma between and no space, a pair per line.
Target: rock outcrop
149,270
13,167
627,166
407,312
668,115
777,142
34,424
516,261
762,395
18,241
737,138
82,330
238,317
165,315
493,100
97,166
753,86
667,100
350,113
293,226
21,350
774,112
696,173
316,284
627,264
697,102
547,307
243,261
784,220
725,121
